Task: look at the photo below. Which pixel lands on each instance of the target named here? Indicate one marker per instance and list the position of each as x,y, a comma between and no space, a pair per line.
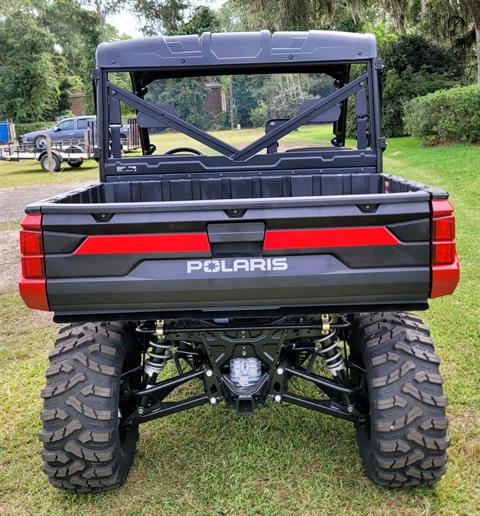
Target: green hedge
32,126
447,115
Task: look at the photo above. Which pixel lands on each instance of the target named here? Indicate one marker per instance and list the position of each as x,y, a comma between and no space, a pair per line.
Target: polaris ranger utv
241,269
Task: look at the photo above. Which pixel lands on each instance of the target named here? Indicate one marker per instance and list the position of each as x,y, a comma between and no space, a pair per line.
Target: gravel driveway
13,202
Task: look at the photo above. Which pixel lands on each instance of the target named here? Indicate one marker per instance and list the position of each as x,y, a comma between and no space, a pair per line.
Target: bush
32,126
413,67
259,115
449,115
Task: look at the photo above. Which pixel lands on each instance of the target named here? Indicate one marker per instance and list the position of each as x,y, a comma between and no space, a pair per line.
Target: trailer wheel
85,448
404,439
56,163
75,163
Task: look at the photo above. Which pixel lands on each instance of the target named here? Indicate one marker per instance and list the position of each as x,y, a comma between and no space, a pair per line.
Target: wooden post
50,163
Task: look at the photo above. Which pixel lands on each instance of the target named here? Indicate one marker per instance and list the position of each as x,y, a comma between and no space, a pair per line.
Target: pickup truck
69,131
243,268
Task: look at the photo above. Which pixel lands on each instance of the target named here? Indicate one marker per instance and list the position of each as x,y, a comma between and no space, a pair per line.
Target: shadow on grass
282,459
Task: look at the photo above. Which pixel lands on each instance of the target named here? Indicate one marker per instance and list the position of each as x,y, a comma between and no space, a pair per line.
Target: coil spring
328,349
158,352
157,357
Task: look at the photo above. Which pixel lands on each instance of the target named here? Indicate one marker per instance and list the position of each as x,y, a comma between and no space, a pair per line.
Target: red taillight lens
30,242
32,267
445,266
444,228
443,253
32,221
32,283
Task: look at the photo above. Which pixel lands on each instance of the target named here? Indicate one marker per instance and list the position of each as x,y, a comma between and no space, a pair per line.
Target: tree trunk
477,42
232,105
423,7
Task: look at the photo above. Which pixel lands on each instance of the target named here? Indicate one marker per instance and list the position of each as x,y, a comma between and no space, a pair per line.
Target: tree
233,17
456,23
202,19
29,82
77,33
160,15
414,67
103,8
399,11
300,14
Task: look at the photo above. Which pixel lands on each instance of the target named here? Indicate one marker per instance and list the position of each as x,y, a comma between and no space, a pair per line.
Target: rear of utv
238,270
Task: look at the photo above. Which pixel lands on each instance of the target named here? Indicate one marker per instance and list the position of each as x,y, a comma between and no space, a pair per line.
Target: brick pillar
77,101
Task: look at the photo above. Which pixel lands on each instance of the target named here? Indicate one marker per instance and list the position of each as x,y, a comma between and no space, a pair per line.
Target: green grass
282,460
314,134
26,173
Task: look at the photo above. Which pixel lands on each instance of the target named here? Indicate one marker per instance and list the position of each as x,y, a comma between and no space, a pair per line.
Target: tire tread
82,451
408,434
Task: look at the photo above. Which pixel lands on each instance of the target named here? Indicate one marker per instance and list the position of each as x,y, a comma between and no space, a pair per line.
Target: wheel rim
41,143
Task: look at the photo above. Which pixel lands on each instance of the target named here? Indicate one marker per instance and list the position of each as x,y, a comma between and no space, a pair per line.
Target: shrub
449,115
259,115
28,127
413,67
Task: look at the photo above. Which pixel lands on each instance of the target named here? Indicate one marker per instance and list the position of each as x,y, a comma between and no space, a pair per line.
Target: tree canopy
48,46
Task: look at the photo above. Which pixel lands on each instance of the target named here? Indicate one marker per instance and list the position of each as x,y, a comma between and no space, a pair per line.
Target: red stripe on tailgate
328,237
138,244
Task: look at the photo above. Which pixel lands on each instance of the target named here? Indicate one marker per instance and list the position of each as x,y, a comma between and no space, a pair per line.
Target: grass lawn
24,173
282,460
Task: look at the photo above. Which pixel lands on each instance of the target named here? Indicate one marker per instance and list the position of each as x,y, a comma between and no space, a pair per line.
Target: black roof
236,48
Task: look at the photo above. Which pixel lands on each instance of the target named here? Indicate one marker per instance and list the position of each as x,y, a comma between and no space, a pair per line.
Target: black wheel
40,142
75,163
85,446
54,166
404,439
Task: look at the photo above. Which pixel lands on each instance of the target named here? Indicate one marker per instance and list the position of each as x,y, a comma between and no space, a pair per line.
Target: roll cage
347,48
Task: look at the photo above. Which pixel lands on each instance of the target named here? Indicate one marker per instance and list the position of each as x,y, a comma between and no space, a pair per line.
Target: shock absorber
158,354
328,349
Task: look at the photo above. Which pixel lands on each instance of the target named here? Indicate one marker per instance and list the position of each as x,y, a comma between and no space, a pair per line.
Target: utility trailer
72,151
241,270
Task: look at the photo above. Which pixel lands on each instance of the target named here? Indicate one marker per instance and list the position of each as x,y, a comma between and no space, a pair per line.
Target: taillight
443,253
444,228
445,265
30,242
32,284
32,267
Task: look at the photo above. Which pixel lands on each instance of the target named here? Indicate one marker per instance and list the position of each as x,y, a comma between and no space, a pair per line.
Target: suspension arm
320,381
325,406
164,409
168,385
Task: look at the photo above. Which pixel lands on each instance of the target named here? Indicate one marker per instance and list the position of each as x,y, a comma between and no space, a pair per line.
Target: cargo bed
242,187
238,244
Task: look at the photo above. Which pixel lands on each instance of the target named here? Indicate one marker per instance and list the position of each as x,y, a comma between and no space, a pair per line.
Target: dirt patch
14,200
10,259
